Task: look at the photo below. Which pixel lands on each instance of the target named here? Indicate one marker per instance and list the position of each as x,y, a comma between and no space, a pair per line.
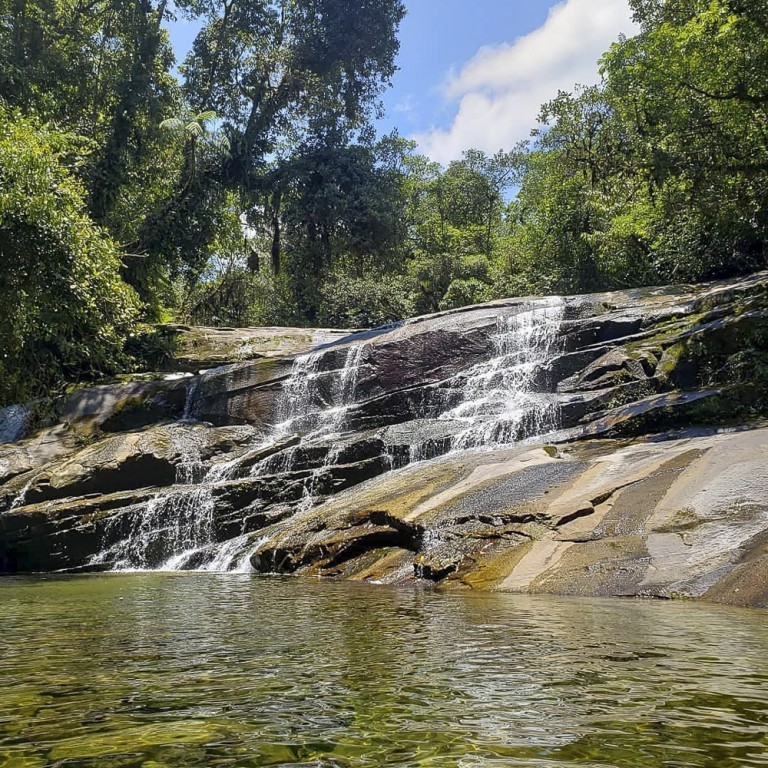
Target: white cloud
407,106
500,89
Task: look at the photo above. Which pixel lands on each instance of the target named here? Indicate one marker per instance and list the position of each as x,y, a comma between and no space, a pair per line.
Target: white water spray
166,531
313,410
500,403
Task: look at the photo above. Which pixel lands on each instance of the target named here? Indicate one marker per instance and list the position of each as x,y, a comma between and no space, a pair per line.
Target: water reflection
152,670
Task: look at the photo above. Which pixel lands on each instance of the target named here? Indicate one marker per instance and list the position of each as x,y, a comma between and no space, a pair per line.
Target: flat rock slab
678,516
198,347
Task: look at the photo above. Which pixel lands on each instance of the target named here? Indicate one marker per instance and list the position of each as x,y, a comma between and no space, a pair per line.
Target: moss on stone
670,359
489,571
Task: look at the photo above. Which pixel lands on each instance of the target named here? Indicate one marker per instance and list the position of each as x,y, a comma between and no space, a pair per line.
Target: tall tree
277,70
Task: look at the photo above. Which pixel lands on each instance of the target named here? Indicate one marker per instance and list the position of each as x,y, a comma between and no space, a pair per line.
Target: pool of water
150,670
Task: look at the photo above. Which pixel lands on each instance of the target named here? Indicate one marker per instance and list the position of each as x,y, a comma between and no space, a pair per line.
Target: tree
658,174
64,311
277,69
692,84
141,96
294,82
332,209
456,223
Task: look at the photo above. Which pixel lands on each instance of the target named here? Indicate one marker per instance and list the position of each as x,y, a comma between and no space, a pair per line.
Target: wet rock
124,406
14,423
645,415
61,534
23,456
123,462
433,568
243,393
362,477
613,368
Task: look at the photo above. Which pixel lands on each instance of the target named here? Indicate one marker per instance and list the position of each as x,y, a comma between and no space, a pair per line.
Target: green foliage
155,346
271,65
64,311
332,209
252,190
660,174
364,302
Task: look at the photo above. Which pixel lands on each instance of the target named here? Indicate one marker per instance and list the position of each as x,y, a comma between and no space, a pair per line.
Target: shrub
65,312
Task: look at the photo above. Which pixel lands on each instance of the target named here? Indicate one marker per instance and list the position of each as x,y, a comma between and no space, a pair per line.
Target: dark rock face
348,461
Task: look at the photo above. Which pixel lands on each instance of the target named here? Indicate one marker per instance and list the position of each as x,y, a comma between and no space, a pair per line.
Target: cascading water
296,406
307,409
315,412
491,403
233,556
500,403
170,528
176,529
191,401
22,495
197,391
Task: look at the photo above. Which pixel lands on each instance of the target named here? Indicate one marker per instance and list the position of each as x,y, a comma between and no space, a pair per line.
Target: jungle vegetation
246,185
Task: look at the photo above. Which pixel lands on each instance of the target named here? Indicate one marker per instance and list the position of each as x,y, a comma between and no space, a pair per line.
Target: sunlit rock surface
675,516
609,444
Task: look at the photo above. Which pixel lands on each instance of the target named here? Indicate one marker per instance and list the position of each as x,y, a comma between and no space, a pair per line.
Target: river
166,670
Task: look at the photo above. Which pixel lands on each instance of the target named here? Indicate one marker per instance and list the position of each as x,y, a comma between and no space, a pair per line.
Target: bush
364,302
64,310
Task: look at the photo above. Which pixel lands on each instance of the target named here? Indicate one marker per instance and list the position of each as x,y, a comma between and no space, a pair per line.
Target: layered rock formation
682,516
396,455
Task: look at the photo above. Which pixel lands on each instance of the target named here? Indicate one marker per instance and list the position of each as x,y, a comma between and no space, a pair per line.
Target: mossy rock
138,412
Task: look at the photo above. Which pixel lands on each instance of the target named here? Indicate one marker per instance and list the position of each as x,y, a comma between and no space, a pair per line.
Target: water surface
151,670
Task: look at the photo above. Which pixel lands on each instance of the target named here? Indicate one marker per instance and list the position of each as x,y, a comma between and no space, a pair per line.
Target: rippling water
199,670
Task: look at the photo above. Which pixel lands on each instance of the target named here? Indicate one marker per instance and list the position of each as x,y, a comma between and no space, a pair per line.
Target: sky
474,74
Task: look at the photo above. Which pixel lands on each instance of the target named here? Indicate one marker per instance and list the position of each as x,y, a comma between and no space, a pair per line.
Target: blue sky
473,74
437,37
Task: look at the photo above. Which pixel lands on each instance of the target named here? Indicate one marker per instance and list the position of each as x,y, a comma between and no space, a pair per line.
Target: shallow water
158,670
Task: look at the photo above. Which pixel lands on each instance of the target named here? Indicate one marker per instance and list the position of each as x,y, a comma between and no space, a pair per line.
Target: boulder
123,406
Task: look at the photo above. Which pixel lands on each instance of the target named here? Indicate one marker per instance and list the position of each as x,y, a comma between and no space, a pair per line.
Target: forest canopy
246,185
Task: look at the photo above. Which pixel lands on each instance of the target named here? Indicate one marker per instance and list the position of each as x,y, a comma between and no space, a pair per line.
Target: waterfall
297,404
501,400
166,532
234,556
500,403
176,529
306,407
22,495
314,411
193,403
350,374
